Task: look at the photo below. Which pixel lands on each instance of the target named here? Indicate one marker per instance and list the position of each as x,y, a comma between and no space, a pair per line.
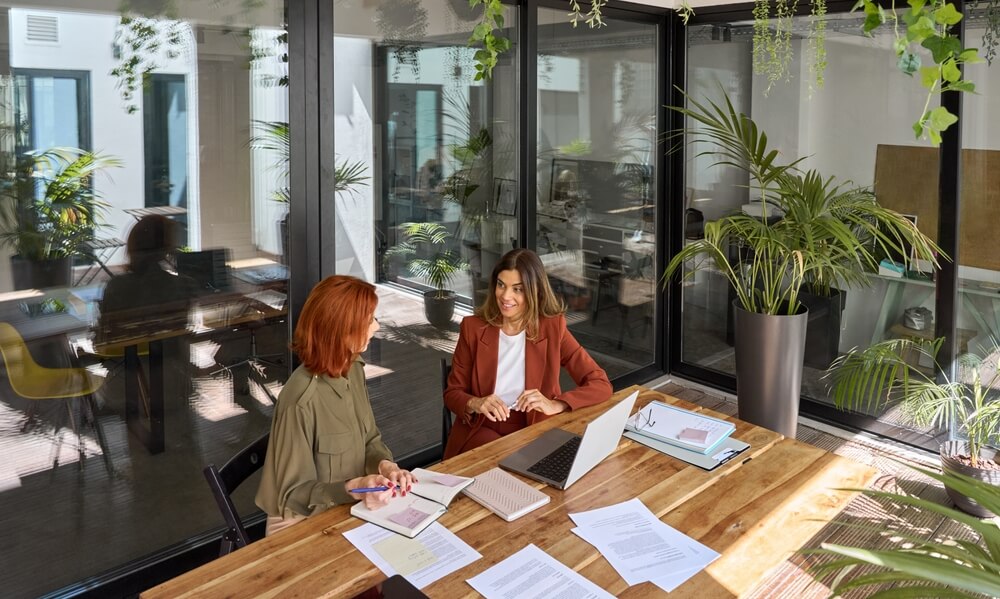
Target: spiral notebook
505,495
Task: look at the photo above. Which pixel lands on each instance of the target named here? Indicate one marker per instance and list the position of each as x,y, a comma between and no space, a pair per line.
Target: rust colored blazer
474,373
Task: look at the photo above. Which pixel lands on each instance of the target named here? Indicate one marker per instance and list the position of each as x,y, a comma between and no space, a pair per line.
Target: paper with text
431,555
533,574
638,545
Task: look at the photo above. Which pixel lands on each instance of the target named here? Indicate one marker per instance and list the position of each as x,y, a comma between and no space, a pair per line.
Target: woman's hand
399,477
490,406
373,499
532,399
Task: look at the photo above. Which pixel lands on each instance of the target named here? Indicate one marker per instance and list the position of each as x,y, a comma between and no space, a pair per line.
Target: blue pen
368,490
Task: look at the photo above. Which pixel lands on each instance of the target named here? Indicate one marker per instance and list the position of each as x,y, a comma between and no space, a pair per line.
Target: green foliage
938,567
872,378
49,208
827,236
423,249
489,33
139,41
593,18
685,12
991,12
772,52
274,136
927,25
817,44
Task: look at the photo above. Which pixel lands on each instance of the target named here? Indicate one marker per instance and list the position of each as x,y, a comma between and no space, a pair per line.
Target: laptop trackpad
524,458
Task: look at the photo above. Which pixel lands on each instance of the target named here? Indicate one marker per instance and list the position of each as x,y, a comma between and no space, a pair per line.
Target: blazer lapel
486,360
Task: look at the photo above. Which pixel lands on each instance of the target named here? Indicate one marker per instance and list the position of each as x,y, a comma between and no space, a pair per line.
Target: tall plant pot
439,310
823,332
769,351
41,274
950,450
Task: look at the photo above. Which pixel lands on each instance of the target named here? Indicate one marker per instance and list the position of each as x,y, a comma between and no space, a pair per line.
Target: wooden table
755,512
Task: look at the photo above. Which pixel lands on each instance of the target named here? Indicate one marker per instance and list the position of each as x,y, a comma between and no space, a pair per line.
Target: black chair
446,415
224,481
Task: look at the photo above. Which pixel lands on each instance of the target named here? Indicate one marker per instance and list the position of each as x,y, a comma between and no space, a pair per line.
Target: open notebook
426,501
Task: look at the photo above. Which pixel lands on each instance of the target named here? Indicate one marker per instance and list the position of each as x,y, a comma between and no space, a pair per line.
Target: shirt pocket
335,456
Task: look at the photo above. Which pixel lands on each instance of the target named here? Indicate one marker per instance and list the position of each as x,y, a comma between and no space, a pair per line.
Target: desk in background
755,512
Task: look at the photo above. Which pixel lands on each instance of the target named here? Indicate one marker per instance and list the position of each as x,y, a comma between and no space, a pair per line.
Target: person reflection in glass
147,298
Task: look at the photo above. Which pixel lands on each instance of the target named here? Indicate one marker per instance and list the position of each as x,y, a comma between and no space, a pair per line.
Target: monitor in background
208,268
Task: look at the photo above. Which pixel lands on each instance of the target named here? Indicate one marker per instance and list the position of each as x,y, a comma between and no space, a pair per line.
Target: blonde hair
540,301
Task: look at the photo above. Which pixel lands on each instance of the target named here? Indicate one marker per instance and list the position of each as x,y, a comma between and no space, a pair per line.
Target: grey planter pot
439,310
769,352
43,274
949,463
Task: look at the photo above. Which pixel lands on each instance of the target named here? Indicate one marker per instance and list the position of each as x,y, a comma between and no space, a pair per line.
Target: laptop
559,458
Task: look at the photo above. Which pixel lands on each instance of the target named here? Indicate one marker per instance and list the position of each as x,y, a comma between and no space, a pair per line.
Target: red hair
333,326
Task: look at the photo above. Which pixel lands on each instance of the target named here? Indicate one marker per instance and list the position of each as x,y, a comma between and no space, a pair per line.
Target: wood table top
755,511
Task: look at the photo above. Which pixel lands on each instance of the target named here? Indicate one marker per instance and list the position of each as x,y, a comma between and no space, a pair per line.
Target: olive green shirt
323,434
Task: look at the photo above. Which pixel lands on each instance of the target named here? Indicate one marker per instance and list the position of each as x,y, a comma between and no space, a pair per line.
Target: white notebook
425,503
505,495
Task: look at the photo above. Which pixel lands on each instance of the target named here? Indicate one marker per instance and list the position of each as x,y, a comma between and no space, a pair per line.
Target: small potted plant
883,374
49,211
423,249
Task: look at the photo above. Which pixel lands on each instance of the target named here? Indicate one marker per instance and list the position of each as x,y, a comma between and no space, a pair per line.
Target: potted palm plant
807,231
944,566
882,374
423,249
49,211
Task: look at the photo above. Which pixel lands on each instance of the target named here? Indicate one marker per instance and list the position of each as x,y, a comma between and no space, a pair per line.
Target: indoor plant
952,566
423,249
883,374
49,212
808,232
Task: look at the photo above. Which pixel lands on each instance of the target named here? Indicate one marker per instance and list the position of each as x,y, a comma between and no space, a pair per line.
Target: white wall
85,44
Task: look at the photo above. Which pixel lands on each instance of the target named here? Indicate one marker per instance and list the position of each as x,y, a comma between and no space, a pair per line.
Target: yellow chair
38,383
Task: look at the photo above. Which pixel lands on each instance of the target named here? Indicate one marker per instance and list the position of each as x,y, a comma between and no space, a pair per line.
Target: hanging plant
772,50
489,31
927,25
138,44
817,44
401,23
991,16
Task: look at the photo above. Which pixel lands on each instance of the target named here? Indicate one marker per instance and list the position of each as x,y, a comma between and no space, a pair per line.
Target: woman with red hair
324,441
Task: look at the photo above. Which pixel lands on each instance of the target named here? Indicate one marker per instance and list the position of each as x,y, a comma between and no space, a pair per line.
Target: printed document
533,574
639,546
431,555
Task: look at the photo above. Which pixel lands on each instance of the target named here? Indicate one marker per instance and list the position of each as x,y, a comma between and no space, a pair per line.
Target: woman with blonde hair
505,371
324,441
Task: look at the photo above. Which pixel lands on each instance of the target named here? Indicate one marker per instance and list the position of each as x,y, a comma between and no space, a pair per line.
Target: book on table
425,502
680,427
505,495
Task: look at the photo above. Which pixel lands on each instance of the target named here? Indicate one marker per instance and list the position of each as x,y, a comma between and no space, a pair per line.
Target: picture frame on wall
505,197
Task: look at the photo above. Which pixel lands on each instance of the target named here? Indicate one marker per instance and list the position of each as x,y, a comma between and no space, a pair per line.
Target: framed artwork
563,180
505,197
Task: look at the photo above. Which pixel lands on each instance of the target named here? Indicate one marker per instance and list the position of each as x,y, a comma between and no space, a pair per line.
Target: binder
680,427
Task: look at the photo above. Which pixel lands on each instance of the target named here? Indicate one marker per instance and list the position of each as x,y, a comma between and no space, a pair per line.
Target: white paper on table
431,555
676,579
533,574
638,545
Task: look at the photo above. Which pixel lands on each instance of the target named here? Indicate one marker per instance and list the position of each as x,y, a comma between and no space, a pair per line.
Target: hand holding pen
374,490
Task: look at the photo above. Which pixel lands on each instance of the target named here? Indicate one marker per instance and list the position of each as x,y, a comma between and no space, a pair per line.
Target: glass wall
855,128
434,201
142,272
596,207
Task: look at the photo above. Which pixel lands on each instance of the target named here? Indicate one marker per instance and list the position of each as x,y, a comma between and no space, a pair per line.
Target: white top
510,368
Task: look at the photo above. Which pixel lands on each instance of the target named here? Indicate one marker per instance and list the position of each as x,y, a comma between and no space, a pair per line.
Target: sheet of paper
638,545
533,574
431,555
448,480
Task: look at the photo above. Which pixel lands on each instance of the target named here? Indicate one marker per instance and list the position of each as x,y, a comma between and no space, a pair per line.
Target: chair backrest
223,481
34,381
446,416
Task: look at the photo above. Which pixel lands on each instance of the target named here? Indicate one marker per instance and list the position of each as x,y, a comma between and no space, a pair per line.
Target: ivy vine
772,51
138,42
991,14
926,25
817,44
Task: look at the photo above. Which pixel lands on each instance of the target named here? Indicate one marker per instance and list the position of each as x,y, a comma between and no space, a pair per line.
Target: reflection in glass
142,284
596,182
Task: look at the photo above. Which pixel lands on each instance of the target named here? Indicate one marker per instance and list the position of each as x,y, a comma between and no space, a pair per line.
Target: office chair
34,382
446,416
223,481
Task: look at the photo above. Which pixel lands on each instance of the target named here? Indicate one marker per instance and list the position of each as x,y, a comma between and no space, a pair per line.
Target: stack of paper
640,547
683,428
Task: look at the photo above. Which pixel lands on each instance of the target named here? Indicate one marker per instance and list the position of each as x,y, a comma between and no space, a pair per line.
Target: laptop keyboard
556,465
